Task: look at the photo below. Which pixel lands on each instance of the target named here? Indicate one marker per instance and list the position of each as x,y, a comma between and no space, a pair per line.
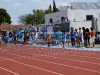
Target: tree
37,17
26,19
55,9
50,9
4,17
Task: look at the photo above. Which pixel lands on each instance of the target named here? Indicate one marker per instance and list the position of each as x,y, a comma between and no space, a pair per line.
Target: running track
29,60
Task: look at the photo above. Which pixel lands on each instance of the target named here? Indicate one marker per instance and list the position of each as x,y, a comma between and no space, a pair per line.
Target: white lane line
32,66
9,71
71,55
62,58
59,64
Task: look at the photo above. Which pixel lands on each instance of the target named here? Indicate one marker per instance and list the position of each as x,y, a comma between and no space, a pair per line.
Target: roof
6,27
81,5
85,5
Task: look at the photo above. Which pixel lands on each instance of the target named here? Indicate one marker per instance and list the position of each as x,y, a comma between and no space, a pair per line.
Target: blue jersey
6,38
73,34
64,37
59,35
15,35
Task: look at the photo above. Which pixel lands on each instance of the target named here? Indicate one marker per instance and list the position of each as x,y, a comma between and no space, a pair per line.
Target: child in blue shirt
0,39
22,38
15,38
6,39
64,39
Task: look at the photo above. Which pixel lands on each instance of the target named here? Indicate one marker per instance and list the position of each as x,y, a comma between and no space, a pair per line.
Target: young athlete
64,39
0,39
6,39
15,38
48,40
93,36
22,37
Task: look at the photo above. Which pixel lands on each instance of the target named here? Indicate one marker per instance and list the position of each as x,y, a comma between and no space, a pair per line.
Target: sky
21,7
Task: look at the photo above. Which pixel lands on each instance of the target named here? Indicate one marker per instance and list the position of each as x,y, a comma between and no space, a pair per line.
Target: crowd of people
76,37
83,33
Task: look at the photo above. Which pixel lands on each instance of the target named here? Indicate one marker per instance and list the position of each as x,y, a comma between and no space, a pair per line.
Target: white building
78,11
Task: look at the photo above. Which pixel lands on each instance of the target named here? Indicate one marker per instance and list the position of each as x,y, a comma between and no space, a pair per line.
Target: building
78,11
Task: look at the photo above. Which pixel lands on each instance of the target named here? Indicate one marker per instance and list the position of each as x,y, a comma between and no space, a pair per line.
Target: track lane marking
9,71
58,64
63,59
32,66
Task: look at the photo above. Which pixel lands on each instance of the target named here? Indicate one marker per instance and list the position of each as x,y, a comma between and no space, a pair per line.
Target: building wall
80,15
55,16
76,25
98,23
86,24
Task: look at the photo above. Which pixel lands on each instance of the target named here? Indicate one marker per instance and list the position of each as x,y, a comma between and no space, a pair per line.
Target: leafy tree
55,9
4,17
37,17
22,19
50,9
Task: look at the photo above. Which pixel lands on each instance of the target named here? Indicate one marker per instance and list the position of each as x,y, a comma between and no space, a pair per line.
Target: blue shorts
80,38
77,37
6,41
72,39
63,42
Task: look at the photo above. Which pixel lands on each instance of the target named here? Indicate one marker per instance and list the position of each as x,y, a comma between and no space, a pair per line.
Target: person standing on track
0,39
15,38
83,28
80,37
72,34
48,40
64,39
6,39
22,37
92,36
87,37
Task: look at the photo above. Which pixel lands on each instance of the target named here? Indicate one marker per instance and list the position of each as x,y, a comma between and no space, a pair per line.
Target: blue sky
21,7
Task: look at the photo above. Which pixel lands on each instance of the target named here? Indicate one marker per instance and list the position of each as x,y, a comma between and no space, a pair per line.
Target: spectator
87,37
83,28
93,36
72,34
76,37
80,36
0,39
64,39
6,38
48,40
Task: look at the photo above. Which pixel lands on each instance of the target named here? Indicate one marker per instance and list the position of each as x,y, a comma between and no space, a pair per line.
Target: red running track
27,60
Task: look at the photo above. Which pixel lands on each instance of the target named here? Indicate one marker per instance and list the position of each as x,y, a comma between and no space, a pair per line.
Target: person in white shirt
36,37
7,32
77,37
80,36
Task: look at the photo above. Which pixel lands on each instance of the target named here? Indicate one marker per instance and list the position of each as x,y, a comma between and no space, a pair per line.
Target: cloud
44,4
72,0
36,0
5,0
16,4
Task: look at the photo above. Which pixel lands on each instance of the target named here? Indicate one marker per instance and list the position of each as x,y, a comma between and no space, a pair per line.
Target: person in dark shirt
83,28
87,37
15,38
6,38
